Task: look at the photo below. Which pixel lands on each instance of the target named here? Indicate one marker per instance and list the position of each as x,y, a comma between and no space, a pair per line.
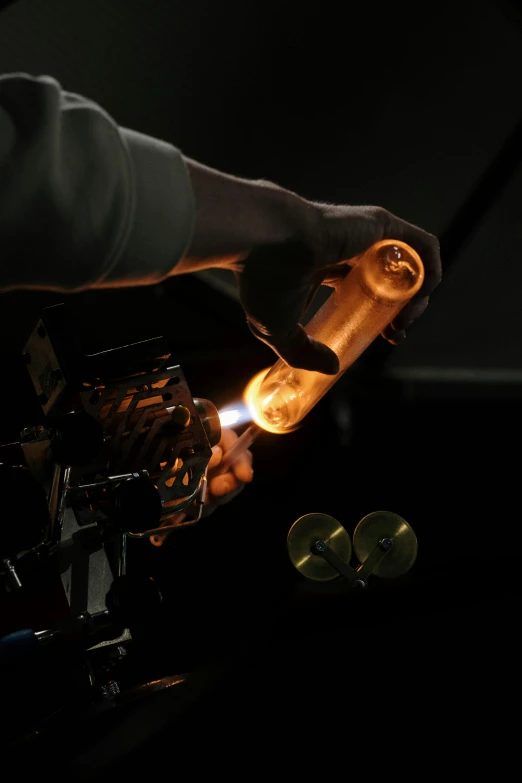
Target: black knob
77,439
134,599
25,514
136,505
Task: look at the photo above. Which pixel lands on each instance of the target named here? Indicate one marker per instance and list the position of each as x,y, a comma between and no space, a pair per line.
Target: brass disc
302,536
384,524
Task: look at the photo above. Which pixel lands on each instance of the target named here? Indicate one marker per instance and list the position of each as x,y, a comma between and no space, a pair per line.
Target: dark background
413,107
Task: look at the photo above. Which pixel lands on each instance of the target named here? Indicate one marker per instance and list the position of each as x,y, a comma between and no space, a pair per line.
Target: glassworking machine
121,449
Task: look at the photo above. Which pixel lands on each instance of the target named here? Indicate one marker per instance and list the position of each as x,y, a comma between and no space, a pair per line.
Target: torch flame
230,417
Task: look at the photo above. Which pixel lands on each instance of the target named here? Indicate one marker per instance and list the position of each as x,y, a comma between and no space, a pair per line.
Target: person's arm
85,203
233,216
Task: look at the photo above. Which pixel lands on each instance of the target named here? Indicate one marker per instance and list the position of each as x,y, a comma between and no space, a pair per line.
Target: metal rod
179,520
168,513
358,576
322,549
54,496
242,444
122,564
57,498
106,482
375,557
11,575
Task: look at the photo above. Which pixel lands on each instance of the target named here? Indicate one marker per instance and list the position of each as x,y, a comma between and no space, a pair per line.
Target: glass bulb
384,279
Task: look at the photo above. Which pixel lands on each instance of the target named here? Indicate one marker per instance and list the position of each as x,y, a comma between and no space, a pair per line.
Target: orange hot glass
385,278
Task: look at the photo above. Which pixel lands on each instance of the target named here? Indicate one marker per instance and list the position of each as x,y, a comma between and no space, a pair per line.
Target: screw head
386,544
110,690
31,434
320,546
358,584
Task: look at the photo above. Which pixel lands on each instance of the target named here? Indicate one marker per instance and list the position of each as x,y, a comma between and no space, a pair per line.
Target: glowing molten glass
384,279
251,397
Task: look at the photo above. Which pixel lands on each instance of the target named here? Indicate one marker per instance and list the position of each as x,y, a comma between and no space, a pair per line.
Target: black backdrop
417,109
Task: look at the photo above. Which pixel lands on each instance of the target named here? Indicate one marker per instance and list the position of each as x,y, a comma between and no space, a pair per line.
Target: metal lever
357,577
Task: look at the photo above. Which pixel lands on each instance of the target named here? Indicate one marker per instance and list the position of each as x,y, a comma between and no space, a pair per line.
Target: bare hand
225,487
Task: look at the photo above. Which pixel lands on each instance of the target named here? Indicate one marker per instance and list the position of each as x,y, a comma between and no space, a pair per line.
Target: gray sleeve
84,203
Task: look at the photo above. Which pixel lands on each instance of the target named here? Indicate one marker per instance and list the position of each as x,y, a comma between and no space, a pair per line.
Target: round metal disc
302,536
384,524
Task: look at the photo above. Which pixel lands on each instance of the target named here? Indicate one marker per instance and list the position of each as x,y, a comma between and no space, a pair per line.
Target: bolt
320,546
31,434
386,544
358,584
110,690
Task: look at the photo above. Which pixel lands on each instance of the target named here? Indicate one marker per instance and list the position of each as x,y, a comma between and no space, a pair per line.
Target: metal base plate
302,536
384,524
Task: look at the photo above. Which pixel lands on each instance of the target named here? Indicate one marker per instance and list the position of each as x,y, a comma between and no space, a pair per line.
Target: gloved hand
277,282
282,247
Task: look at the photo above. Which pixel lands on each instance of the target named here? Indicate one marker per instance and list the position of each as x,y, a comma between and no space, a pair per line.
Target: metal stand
320,548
